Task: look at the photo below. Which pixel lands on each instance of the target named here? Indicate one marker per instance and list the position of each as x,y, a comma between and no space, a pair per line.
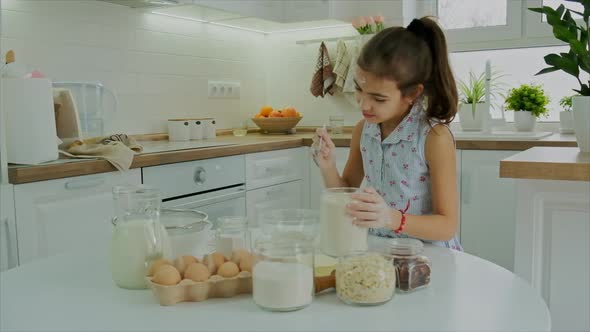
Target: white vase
581,106
524,121
566,122
469,120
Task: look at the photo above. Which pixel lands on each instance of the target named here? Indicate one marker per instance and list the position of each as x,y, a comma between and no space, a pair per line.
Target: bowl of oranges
274,121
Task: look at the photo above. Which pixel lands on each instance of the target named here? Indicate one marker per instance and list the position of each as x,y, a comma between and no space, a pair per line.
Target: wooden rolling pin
327,282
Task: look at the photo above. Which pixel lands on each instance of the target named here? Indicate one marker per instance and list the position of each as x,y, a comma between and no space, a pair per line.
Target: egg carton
191,291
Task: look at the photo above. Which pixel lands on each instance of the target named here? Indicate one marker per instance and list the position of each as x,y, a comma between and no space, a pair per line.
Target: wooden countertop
253,142
547,163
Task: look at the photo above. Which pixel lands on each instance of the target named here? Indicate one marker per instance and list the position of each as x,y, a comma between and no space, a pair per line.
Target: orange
289,112
275,114
258,116
265,111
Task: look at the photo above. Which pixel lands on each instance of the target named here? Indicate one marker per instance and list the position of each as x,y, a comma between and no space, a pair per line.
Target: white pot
566,122
470,121
524,121
581,106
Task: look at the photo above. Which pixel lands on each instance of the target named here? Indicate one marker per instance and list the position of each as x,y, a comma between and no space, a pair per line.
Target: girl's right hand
323,149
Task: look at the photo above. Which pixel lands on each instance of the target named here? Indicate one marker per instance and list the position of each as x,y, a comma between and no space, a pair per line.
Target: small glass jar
282,275
365,278
338,235
188,231
231,234
336,124
413,268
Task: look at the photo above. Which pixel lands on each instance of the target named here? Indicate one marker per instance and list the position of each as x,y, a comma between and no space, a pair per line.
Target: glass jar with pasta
365,278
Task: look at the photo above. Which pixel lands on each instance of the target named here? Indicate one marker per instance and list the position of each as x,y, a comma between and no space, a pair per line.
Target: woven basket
276,125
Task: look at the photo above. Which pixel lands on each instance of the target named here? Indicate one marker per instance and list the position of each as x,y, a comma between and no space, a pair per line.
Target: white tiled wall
158,66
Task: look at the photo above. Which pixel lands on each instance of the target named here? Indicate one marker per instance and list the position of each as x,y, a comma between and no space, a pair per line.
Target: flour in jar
281,285
338,235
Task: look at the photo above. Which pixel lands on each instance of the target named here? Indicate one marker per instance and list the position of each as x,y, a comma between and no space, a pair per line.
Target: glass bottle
138,237
338,235
283,275
413,268
231,234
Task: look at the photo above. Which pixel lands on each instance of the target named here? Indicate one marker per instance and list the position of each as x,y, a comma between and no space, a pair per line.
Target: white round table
75,293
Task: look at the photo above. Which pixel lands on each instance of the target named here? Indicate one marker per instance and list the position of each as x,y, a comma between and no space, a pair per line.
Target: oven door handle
220,198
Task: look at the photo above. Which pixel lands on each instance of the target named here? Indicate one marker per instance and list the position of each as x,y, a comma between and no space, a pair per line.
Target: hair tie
420,30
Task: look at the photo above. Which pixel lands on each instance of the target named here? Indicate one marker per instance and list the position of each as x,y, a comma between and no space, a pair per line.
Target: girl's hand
323,149
370,210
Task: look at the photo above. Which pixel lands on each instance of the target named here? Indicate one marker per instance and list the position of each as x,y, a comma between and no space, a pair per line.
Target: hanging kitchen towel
353,52
341,65
323,78
116,149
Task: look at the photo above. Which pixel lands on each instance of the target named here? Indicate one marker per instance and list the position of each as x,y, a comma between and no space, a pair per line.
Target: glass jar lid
184,220
404,246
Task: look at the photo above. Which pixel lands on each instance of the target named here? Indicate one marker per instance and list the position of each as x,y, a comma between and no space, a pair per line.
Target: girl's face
379,99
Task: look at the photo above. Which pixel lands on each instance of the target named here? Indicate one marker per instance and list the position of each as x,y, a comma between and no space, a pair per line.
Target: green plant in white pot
472,99
576,33
528,102
566,119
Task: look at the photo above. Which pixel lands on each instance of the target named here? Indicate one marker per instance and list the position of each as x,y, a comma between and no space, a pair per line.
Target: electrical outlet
223,90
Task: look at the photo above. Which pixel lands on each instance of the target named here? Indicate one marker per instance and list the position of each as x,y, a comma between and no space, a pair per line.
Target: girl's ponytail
440,88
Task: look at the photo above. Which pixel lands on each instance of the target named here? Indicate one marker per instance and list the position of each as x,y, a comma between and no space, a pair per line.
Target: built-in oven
214,186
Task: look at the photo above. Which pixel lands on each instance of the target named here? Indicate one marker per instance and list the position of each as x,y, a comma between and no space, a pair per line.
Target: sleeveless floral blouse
396,167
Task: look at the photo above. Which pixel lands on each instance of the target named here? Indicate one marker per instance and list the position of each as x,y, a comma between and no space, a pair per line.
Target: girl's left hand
370,210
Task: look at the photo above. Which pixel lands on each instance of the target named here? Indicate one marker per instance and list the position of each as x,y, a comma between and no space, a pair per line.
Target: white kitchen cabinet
316,183
280,196
8,247
552,246
274,167
488,207
67,215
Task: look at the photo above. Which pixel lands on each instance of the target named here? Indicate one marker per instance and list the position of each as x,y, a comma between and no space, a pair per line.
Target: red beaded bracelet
403,221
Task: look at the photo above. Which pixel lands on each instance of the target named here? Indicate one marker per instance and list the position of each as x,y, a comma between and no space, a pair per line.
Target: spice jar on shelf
413,268
282,275
336,124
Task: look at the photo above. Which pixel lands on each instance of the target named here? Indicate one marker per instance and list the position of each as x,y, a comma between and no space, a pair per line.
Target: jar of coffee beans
413,269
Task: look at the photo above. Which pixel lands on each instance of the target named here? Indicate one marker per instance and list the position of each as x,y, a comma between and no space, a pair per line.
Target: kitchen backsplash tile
158,66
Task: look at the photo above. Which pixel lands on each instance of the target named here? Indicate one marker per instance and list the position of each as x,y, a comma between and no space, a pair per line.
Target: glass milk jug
138,237
338,235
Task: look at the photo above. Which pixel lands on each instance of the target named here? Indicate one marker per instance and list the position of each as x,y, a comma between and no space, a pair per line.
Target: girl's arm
372,211
353,173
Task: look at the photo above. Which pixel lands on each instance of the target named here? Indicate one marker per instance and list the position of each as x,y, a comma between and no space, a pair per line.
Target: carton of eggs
187,279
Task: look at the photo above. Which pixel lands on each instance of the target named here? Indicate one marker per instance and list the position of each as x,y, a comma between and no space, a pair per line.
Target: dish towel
116,149
342,65
349,89
323,78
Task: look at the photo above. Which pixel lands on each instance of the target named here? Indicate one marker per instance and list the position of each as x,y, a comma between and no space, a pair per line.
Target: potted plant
566,121
577,36
472,99
528,103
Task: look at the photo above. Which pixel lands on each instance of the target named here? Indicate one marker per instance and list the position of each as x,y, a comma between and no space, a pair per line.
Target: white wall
158,66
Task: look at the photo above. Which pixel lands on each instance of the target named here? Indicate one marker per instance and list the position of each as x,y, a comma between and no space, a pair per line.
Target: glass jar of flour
282,275
338,235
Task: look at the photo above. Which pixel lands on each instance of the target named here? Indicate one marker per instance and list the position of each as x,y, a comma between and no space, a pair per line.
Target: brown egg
167,275
238,254
197,272
155,266
182,262
246,264
213,261
228,270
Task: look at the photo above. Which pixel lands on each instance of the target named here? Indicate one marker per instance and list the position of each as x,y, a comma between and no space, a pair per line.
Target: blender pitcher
138,236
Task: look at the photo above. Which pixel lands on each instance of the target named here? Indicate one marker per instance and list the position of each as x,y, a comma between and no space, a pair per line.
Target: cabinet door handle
9,249
466,187
85,183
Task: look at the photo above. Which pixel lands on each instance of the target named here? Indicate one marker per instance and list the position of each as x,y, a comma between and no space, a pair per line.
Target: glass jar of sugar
338,235
231,234
282,275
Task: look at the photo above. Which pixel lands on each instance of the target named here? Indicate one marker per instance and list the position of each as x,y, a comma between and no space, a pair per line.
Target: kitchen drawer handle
86,183
9,253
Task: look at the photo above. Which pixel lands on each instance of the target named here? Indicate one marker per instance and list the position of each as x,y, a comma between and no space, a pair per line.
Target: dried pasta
365,279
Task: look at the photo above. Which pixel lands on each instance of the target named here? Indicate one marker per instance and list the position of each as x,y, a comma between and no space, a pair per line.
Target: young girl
402,152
